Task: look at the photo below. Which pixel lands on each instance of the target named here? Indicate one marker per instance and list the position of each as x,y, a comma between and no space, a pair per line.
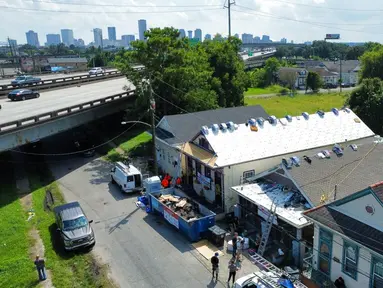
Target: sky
297,20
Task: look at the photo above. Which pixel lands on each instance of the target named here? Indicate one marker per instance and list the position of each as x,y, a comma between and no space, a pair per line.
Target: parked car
96,71
23,94
73,226
330,86
25,80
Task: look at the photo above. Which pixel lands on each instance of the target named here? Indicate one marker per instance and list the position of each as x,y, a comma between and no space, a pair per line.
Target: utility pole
340,73
229,3
153,109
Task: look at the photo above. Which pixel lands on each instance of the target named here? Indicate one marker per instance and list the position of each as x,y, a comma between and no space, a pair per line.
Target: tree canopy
372,63
184,77
313,81
367,102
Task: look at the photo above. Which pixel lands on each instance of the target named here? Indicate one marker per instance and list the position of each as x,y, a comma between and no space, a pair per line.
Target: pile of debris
181,206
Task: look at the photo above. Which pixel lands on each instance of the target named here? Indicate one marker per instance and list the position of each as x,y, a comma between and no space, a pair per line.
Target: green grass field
69,269
283,105
16,268
136,143
274,89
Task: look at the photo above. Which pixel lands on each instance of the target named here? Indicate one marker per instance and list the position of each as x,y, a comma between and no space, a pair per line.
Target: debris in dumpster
181,206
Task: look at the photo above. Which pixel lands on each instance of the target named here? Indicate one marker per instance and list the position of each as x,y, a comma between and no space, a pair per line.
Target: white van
127,177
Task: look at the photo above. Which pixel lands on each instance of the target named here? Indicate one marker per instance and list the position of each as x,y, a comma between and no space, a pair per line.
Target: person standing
232,270
235,242
40,266
215,265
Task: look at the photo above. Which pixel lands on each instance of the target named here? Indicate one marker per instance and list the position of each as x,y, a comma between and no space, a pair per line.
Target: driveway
141,249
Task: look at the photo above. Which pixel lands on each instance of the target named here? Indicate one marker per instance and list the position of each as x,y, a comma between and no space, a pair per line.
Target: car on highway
25,80
23,94
96,71
73,226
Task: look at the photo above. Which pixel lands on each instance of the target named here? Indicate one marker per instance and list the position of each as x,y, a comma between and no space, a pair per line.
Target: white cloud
263,17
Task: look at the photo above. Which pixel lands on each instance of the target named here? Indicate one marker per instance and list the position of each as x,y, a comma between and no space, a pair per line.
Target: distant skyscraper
190,34
32,38
266,39
97,35
79,42
198,34
127,39
236,35
207,37
13,46
182,33
257,39
247,38
283,40
141,29
53,39
67,37
112,33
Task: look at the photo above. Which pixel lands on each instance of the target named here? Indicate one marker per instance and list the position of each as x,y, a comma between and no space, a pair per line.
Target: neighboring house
76,63
349,72
348,237
294,189
285,75
221,156
328,77
173,131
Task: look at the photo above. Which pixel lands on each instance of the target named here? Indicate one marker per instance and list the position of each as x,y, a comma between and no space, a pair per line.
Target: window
377,273
325,251
163,154
130,179
203,143
207,172
248,174
350,259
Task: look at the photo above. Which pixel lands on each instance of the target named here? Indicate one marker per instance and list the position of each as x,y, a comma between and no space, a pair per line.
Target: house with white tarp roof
241,150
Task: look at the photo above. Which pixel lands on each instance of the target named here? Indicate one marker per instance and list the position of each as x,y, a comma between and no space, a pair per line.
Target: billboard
333,36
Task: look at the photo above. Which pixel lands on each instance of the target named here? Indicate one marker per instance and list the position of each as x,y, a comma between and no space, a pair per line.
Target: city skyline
275,18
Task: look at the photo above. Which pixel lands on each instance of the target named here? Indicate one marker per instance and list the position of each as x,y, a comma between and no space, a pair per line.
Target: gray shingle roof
67,60
348,226
185,126
347,66
349,172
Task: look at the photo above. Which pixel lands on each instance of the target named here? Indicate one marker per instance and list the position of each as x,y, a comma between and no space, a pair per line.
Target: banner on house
264,213
205,181
171,217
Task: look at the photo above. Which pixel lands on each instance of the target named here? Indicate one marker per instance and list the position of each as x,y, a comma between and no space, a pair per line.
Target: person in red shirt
178,181
165,183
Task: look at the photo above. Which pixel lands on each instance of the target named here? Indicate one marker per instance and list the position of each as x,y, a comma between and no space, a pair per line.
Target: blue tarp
286,283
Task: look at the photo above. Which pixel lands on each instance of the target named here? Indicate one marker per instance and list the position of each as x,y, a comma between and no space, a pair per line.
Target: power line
329,8
119,5
82,151
304,21
104,12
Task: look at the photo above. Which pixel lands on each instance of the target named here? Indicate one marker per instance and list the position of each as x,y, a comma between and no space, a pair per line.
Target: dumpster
186,215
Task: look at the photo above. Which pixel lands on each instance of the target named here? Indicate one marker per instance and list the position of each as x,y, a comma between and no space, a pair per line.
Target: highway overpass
22,122
257,58
272,44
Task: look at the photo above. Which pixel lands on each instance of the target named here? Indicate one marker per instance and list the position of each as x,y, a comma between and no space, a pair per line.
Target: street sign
193,41
333,36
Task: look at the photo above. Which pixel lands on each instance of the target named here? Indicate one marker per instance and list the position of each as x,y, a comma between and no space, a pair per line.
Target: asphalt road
49,76
140,249
61,98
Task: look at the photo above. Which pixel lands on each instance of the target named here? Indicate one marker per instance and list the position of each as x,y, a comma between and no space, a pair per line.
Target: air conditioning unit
347,110
236,126
320,113
230,125
306,115
260,121
272,119
215,128
289,118
252,121
222,126
205,130
335,111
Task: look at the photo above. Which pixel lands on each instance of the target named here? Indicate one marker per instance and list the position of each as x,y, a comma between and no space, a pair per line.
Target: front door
218,188
189,176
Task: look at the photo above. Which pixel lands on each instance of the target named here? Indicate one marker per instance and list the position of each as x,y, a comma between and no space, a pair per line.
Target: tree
180,75
372,63
355,52
230,80
313,81
288,76
272,66
367,102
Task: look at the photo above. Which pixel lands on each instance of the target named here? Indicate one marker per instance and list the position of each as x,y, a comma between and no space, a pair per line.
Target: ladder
269,225
275,270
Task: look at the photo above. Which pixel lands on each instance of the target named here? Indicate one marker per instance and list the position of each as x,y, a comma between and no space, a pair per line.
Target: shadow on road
168,232
123,221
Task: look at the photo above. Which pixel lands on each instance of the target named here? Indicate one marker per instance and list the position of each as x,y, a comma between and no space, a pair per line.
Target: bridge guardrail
63,112
68,80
